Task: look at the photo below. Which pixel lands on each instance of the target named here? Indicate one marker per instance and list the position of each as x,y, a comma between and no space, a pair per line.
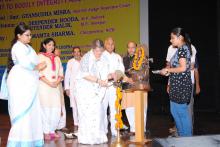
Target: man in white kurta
72,69
114,63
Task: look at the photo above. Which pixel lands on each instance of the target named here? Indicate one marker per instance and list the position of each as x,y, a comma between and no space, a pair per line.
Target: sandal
52,136
56,135
75,135
47,137
69,135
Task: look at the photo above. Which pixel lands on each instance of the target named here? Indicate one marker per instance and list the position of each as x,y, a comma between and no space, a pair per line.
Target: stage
206,123
62,142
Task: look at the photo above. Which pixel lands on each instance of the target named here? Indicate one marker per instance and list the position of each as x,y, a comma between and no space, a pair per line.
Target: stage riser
197,141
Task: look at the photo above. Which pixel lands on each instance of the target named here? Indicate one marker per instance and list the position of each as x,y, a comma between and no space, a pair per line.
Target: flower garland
138,60
118,115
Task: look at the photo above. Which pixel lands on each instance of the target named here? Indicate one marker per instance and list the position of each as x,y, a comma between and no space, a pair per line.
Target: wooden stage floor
62,142
206,123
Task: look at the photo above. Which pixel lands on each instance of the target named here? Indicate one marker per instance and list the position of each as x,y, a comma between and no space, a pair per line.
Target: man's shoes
63,130
69,135
172,130
75,133
125,127
131,133
124,130
47,137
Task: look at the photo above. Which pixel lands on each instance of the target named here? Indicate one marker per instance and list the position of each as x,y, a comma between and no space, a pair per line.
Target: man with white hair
114,63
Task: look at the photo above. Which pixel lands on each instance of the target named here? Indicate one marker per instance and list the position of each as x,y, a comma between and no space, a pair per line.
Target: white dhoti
73,105
72,69
128,103
62,122
109,100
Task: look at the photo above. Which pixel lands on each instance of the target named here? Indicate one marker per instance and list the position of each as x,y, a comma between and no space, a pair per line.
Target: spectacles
28,35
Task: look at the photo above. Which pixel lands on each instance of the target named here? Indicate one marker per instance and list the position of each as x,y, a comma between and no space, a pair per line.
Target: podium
137,98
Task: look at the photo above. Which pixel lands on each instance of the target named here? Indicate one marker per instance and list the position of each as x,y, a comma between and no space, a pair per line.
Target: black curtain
202,21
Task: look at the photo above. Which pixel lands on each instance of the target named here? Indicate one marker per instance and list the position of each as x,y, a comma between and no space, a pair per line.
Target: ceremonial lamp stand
118,142
136,97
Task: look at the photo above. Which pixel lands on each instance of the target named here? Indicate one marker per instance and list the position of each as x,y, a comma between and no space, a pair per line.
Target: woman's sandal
69,135
47,137
52,136
75,136
56,135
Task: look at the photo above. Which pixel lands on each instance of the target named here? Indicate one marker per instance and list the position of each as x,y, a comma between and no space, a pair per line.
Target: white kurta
89,100
72,70
62,121
51,99
24,106
114,63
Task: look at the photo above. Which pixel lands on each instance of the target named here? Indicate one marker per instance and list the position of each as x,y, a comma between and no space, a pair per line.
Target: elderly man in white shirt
115,63
72,70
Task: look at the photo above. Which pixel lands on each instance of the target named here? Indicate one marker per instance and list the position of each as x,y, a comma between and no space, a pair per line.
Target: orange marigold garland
118,115
138,60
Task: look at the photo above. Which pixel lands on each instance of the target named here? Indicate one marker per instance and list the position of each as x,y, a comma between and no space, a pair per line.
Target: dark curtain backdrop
200,19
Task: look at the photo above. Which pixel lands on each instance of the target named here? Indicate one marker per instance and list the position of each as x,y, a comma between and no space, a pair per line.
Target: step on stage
195,141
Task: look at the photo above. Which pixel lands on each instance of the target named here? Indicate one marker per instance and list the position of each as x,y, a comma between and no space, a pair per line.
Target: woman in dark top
180,81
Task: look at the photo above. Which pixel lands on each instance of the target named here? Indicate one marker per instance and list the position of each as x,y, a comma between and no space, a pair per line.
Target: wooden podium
137,98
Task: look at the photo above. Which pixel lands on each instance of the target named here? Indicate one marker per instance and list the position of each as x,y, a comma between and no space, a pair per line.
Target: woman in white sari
22,81
91,84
